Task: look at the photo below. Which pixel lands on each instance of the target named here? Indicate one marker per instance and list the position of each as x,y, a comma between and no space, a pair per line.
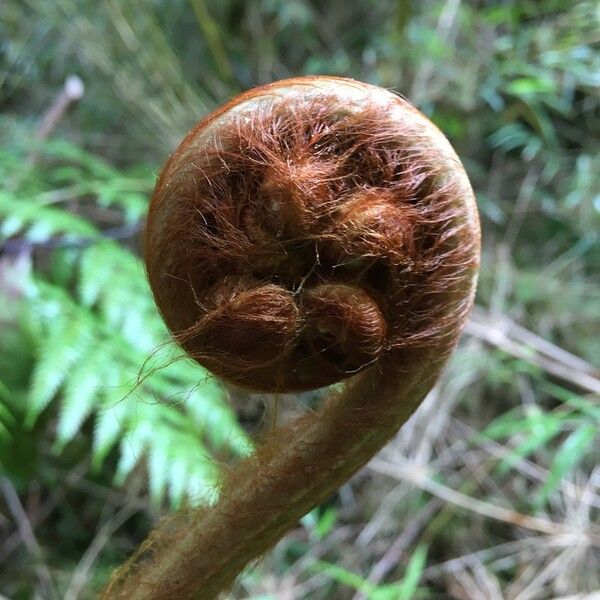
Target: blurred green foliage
87,375
94,337
401,590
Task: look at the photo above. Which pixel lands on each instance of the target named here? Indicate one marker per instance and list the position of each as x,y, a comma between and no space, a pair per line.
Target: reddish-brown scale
310,231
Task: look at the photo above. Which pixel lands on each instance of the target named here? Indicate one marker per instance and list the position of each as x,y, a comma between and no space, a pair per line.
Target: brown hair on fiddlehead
268,207
309,232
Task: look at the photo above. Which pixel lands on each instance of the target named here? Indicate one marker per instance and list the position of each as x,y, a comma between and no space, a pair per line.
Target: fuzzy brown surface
309,232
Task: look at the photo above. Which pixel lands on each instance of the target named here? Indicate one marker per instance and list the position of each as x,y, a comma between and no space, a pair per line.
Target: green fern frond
109,187
114,279
79,395
103,352
206,408
112,411
88,379
66,343
121,192
131,452
39,223
66,152
95,273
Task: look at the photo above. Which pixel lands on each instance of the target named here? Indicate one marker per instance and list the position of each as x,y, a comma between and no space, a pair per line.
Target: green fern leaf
95,273
65,151
111,420
159,464
132,450
94,345
206,406
116,193
41,222
64,346
79,397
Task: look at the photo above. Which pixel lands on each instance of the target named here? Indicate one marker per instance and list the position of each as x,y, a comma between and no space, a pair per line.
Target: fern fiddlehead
312,231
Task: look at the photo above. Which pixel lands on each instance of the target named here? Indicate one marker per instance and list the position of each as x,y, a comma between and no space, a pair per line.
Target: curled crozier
313,231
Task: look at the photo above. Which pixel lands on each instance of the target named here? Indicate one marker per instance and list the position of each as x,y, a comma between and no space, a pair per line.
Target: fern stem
199,554
347,233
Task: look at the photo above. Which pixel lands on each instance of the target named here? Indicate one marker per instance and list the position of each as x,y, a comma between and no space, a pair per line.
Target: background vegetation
491,491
